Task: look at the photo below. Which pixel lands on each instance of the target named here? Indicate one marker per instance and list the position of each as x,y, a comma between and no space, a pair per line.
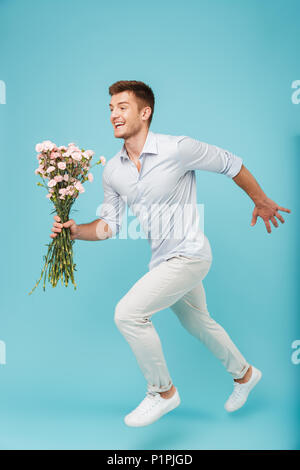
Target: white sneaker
241,391
151,409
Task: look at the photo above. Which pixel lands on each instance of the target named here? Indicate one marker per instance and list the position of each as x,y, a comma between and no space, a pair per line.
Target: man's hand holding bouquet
63,171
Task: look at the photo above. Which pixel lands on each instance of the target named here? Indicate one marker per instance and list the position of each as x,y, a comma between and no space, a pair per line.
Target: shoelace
237,391
147,403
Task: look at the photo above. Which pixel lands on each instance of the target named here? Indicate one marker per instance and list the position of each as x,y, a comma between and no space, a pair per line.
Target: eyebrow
120,102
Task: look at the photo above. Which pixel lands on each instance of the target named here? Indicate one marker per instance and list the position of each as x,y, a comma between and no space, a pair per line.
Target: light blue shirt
163,194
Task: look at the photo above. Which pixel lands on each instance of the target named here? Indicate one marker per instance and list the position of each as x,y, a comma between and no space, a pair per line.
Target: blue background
221,72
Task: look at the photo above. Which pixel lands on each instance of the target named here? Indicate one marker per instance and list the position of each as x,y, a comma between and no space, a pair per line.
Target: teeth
119,124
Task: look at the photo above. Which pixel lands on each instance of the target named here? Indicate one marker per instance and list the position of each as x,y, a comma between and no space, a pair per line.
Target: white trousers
175,283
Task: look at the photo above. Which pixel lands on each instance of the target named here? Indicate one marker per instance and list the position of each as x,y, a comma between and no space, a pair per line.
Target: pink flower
39,147
50,168
90,177
62,147
89,153
58,178
66,177
48,195
51,183
45,146
70,190
102,160
48,145
73,148
54,154
62,165
79,187
76,156
39,170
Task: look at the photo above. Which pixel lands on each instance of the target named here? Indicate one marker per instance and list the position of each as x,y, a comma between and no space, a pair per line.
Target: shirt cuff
114,227
235,167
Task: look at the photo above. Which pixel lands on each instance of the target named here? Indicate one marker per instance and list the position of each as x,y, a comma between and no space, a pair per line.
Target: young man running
155,175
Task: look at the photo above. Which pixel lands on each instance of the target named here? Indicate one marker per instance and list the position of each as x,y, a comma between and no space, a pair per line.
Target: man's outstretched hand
268,210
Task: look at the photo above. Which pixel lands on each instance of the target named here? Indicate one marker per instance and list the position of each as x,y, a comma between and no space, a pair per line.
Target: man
153,173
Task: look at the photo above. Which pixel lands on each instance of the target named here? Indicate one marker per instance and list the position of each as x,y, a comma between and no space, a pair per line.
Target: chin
123,135
120,136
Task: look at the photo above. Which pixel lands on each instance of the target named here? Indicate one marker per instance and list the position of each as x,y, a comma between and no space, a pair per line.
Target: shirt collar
150,146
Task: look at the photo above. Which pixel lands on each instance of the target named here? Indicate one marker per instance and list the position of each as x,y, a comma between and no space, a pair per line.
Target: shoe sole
171,407
255,382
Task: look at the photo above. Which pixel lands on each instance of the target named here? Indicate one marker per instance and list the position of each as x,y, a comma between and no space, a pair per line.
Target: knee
123,312
127,312
120,313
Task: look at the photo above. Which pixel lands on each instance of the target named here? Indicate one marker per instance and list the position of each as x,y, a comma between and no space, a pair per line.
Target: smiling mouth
119,125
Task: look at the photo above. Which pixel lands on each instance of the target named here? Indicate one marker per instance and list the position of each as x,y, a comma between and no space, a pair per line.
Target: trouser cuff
241,374
156,388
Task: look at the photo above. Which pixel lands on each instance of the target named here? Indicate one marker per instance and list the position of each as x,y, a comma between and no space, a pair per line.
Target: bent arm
196,155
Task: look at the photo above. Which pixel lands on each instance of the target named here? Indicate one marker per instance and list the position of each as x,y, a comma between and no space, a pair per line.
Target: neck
135,143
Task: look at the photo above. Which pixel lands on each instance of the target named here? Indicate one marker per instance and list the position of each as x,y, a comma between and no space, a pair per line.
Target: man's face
124,110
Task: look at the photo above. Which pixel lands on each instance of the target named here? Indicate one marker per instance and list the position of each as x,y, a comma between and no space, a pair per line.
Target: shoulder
169,138
167,144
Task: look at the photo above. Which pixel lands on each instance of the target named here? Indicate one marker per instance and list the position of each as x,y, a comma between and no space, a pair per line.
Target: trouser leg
191,310
156,290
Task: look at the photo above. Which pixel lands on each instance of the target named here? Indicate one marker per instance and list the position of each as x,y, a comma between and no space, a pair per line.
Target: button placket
141,169
139,186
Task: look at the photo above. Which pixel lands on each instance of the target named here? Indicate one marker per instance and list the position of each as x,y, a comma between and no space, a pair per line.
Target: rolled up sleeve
113,206
196,155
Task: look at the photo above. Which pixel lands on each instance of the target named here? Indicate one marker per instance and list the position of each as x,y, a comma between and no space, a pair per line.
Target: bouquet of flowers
63,171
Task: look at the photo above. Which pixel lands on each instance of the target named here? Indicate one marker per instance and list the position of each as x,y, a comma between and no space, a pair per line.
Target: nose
114,115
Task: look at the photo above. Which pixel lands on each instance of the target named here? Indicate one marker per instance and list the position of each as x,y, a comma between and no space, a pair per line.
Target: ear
146,113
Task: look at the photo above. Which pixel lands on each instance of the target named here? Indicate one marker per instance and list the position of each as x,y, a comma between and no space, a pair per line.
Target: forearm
248,183
94,231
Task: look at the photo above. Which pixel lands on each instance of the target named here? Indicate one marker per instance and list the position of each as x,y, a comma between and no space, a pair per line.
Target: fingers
57,226
279,216
274,222
268,226
68,223
284,209
254,219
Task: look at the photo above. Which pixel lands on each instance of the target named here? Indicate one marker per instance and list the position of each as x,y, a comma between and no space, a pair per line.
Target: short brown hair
142,92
